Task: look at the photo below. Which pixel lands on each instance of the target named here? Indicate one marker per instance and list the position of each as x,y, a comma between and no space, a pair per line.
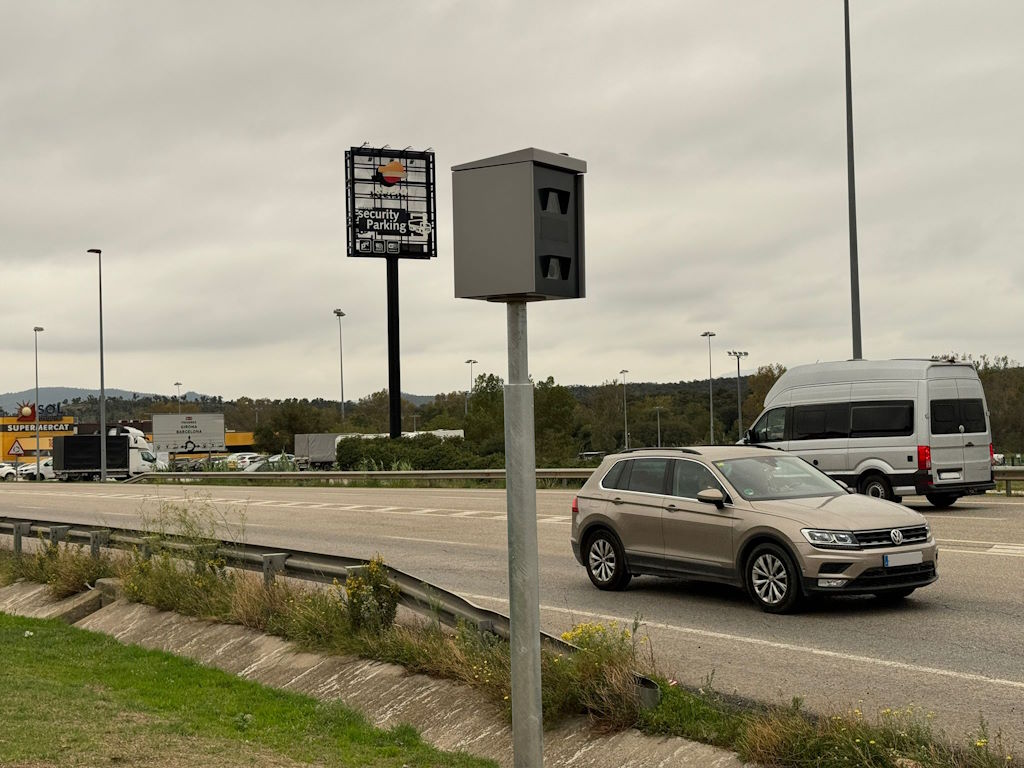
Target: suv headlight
830,539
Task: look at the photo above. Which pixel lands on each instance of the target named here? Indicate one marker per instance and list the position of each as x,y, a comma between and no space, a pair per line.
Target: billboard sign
188,432
392,207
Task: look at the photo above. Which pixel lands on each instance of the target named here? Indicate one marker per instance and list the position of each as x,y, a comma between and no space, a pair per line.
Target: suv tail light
924,457
575,507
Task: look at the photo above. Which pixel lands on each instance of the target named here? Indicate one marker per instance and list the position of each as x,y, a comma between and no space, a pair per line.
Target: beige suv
752,517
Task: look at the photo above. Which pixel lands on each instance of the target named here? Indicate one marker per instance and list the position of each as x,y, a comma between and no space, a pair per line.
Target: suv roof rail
662,448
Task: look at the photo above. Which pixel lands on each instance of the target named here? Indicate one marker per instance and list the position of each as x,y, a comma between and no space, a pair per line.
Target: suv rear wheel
606,562
772,579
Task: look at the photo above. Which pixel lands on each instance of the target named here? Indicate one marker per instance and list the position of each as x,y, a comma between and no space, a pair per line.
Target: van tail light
992,454
575,507
924,457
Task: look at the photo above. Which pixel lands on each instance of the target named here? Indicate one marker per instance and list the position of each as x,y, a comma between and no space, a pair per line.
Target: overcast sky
201,146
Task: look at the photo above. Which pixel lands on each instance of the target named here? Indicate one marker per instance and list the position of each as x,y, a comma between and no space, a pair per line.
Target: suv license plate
903,558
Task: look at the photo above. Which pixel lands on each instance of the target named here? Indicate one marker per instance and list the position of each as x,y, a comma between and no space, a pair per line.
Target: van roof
842,371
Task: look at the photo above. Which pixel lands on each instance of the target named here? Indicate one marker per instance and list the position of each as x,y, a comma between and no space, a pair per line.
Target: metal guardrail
417,595
425,474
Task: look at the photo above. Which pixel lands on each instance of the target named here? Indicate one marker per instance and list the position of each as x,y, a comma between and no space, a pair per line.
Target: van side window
948,415
770,427
892,418
821,422
648,475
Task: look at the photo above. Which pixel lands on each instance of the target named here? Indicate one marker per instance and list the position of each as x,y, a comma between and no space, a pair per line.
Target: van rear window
892,418
948,415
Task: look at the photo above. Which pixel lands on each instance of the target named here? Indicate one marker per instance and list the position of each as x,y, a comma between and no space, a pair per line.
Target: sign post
392,214
519,238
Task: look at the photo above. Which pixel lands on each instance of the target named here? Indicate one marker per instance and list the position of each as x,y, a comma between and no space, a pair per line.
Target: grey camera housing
518,227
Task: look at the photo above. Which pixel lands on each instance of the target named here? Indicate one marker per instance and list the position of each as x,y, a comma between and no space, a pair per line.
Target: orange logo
26,412
390,174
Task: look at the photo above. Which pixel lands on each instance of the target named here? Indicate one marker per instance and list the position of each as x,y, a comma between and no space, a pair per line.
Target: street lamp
657,412
341,362
471,362
852,194
625,416
178,385
739,401
711,396
103,390
35,332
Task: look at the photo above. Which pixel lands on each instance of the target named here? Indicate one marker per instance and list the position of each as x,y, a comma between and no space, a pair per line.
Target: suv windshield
759,478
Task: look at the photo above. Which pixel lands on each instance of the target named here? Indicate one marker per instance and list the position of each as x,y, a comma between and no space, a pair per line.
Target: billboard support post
394,352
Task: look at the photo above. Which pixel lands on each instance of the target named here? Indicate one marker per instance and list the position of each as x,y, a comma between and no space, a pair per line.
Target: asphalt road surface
953,651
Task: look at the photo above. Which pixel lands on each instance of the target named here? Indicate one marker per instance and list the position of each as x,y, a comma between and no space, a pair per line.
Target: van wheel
606,562
877,486
941,500
772,580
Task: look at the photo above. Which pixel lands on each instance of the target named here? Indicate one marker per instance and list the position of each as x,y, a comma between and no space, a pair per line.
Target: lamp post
178,385
103,391
711,396
739,401
471,362
35,332
657,412
625,416
852,194
341,362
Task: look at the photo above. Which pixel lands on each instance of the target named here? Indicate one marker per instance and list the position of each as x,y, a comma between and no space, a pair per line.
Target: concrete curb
449,715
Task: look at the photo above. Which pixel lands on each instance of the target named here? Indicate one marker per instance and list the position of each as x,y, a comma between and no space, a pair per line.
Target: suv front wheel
772,579
606,562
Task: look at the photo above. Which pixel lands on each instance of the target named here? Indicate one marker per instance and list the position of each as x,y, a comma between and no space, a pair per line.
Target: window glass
972,415
771,426
885,419
690,478
944,417
648,475
777,477
614,476
821,422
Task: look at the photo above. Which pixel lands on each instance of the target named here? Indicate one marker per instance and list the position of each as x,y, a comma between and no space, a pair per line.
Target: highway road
953,651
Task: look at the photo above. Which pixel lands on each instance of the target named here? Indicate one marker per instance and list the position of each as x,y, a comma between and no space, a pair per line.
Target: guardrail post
20,530
273,564
1009,487
98,539
58,533
149,545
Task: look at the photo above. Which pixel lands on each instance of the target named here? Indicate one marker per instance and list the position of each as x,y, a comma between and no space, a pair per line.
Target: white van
889,428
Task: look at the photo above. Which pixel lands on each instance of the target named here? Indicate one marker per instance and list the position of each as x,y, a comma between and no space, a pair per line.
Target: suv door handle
671,507
617,500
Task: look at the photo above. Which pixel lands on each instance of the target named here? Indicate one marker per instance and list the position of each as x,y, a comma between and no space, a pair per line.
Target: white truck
77,457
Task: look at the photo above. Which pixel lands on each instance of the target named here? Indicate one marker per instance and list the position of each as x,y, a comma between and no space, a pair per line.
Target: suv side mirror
846,488
712,496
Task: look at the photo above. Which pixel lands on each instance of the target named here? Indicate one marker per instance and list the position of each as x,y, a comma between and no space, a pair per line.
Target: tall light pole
471,363
178,385
657,412
625,415
341,362
739,401
35,332
711,395
852,193
103,390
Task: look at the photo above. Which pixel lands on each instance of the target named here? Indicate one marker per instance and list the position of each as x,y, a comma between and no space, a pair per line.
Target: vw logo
896,535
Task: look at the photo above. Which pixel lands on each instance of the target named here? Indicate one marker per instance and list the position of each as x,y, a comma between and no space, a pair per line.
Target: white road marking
789,647
993,551
441,541
986,543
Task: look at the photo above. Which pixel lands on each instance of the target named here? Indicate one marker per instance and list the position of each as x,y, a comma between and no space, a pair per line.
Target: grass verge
90,701
359,619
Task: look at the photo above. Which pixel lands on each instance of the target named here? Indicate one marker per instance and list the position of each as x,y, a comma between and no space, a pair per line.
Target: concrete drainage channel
449,715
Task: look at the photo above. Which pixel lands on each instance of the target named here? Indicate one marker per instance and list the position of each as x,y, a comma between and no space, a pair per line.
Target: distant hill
9,401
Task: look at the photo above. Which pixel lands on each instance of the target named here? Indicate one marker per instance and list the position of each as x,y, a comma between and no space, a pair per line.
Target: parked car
240,460
755,518
8,472
28,469
888,428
